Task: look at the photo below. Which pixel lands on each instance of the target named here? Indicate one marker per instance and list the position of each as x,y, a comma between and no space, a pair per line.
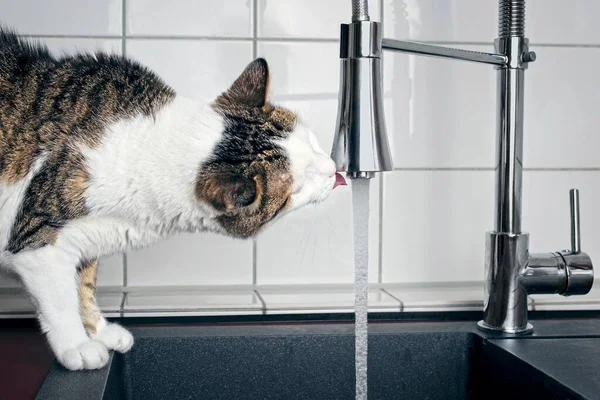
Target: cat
98,155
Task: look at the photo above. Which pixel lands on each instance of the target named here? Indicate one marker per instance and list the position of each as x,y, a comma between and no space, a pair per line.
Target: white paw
88,355
115,337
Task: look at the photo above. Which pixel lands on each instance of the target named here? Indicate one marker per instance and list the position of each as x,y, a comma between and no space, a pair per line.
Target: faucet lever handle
575,233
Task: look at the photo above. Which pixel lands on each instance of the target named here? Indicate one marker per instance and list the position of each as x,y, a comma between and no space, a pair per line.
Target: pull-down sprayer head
360,146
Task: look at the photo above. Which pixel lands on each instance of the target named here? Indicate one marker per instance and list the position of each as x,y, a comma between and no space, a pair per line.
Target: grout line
281,39
380,241
444,169
298,39
401,303
254,29
124,269
71,36
124,27
588,169
190,37
186,37
122,306
451,43
533,169
262,302
189,289
565,45
254,57
254,263
191,311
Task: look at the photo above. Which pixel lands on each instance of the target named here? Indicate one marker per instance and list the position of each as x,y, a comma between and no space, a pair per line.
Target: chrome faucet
361,149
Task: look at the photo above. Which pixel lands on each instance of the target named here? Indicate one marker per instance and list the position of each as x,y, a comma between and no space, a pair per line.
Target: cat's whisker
308,238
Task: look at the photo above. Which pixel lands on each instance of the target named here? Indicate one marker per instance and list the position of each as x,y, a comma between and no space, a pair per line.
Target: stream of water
360,204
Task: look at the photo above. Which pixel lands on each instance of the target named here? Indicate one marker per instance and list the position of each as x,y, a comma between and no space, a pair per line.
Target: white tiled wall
429,216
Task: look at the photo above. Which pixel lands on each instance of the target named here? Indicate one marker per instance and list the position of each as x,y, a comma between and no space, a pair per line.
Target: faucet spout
360,146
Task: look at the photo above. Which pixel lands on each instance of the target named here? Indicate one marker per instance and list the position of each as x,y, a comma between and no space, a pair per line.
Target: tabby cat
98,155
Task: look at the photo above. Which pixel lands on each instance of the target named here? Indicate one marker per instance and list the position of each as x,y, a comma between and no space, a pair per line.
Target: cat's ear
228,192
251,88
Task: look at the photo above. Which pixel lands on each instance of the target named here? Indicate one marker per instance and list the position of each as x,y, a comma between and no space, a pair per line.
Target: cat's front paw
88,355
115,337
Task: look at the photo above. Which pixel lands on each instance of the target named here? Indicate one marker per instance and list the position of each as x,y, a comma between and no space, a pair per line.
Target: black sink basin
314,362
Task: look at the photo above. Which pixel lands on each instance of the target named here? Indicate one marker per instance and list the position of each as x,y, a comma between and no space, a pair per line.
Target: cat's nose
327,167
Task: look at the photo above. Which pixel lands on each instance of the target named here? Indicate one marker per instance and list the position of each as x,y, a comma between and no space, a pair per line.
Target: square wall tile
434,224
16,304
8,280
578,23
441,20
302,71
561,109
191,303
440,113
546,210
307,18
315,244
63,17
321,300
190,17
110,271
62,46
185,66
109,303
192,259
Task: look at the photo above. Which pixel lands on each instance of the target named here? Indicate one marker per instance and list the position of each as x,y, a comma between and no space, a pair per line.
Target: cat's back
46,101
40,91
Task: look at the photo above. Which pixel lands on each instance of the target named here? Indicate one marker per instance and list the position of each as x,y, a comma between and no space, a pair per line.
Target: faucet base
505,298
483,326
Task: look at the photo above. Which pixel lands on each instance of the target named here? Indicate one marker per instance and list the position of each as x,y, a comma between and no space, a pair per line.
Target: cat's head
267,163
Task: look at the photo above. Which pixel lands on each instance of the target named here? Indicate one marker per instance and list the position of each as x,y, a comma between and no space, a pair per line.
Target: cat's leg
50,276
114,336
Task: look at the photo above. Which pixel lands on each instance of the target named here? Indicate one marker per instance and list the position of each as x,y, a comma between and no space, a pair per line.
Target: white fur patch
115,337
88,355
142,176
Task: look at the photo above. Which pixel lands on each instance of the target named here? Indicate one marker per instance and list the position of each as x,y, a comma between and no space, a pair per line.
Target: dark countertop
25,358
574,362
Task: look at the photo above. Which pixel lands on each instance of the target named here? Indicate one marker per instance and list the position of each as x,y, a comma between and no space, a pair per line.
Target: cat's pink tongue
339,180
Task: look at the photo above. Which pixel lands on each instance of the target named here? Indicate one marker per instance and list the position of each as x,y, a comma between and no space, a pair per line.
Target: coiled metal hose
360,10
511,18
